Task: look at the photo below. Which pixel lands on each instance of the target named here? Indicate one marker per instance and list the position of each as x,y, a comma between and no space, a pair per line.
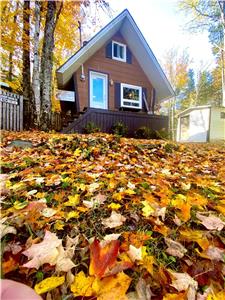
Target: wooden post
21,113
4,115
14,117
11,116
7,115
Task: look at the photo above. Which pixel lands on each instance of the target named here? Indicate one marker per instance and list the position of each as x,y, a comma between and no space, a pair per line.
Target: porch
105,119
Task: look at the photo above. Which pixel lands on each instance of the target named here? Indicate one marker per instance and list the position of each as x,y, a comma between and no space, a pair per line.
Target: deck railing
105,119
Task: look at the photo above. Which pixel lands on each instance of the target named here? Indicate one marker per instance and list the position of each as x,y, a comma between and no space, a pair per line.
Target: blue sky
162,25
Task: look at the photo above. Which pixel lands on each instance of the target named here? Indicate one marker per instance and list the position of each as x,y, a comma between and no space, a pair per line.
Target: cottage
114,77
201,124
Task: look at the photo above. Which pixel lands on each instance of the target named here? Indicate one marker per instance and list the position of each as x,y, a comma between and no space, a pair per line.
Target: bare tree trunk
47,63
10,74
36,65
27,96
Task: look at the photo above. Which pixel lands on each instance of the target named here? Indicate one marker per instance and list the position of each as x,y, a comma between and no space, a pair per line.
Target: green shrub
143,132
119,128
91,127
162,134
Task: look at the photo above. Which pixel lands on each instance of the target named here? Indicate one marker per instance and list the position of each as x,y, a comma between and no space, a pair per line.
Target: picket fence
11,111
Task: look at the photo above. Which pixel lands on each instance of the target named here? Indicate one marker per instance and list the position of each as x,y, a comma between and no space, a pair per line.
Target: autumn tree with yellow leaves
37,36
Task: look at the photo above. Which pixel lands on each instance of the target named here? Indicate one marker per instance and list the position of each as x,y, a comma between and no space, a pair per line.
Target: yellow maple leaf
180,202
179,296
20,205
72,214
114,206
19,186
40,195
147,210
48,284
59,225
129,192
77,152
216,296
220,208
73,200
82,285
117,196
113,287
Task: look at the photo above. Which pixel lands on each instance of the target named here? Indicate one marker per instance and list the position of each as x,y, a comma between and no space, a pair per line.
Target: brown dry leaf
175,248
49,251
115,220
184,282
135,253
211,222
197,236
143,291
215,253
5,229
4,190
44,252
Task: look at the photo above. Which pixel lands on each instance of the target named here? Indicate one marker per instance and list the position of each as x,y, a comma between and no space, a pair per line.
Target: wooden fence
11,111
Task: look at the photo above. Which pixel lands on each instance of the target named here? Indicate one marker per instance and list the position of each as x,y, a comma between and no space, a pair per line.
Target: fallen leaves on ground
113,218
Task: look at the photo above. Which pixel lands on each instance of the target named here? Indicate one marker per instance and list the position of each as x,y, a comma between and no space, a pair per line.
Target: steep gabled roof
135,41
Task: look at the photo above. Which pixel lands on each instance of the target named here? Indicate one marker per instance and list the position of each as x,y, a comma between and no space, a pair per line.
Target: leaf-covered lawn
109,218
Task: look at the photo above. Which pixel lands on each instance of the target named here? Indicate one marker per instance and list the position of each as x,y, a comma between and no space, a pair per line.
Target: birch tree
27,96
36,62
52,16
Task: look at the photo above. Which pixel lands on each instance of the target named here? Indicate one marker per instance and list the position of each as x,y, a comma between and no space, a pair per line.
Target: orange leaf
185,213
162,229
102,258
9,265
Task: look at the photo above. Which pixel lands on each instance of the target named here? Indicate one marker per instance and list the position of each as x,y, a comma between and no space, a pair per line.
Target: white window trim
122,100
125,51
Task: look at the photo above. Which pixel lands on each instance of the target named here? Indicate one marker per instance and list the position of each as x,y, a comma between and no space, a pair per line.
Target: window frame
125,51
122,100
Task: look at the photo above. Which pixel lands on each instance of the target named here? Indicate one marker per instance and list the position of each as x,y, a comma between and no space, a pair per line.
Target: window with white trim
119,51
131,96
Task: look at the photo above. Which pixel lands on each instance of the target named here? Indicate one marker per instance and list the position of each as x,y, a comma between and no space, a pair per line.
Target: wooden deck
105,119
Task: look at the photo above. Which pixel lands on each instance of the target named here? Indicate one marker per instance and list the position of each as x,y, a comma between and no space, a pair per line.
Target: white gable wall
217,124
198,126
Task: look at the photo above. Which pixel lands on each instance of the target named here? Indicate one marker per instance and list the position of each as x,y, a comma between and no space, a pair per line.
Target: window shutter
108,50
129,56
117,95
144,91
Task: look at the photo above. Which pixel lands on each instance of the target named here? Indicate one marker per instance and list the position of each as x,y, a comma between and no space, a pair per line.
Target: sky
163,27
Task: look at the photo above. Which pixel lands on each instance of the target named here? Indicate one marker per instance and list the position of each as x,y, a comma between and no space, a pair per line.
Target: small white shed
201,124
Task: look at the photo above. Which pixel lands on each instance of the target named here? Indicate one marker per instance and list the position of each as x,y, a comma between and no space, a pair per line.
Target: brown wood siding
118,71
